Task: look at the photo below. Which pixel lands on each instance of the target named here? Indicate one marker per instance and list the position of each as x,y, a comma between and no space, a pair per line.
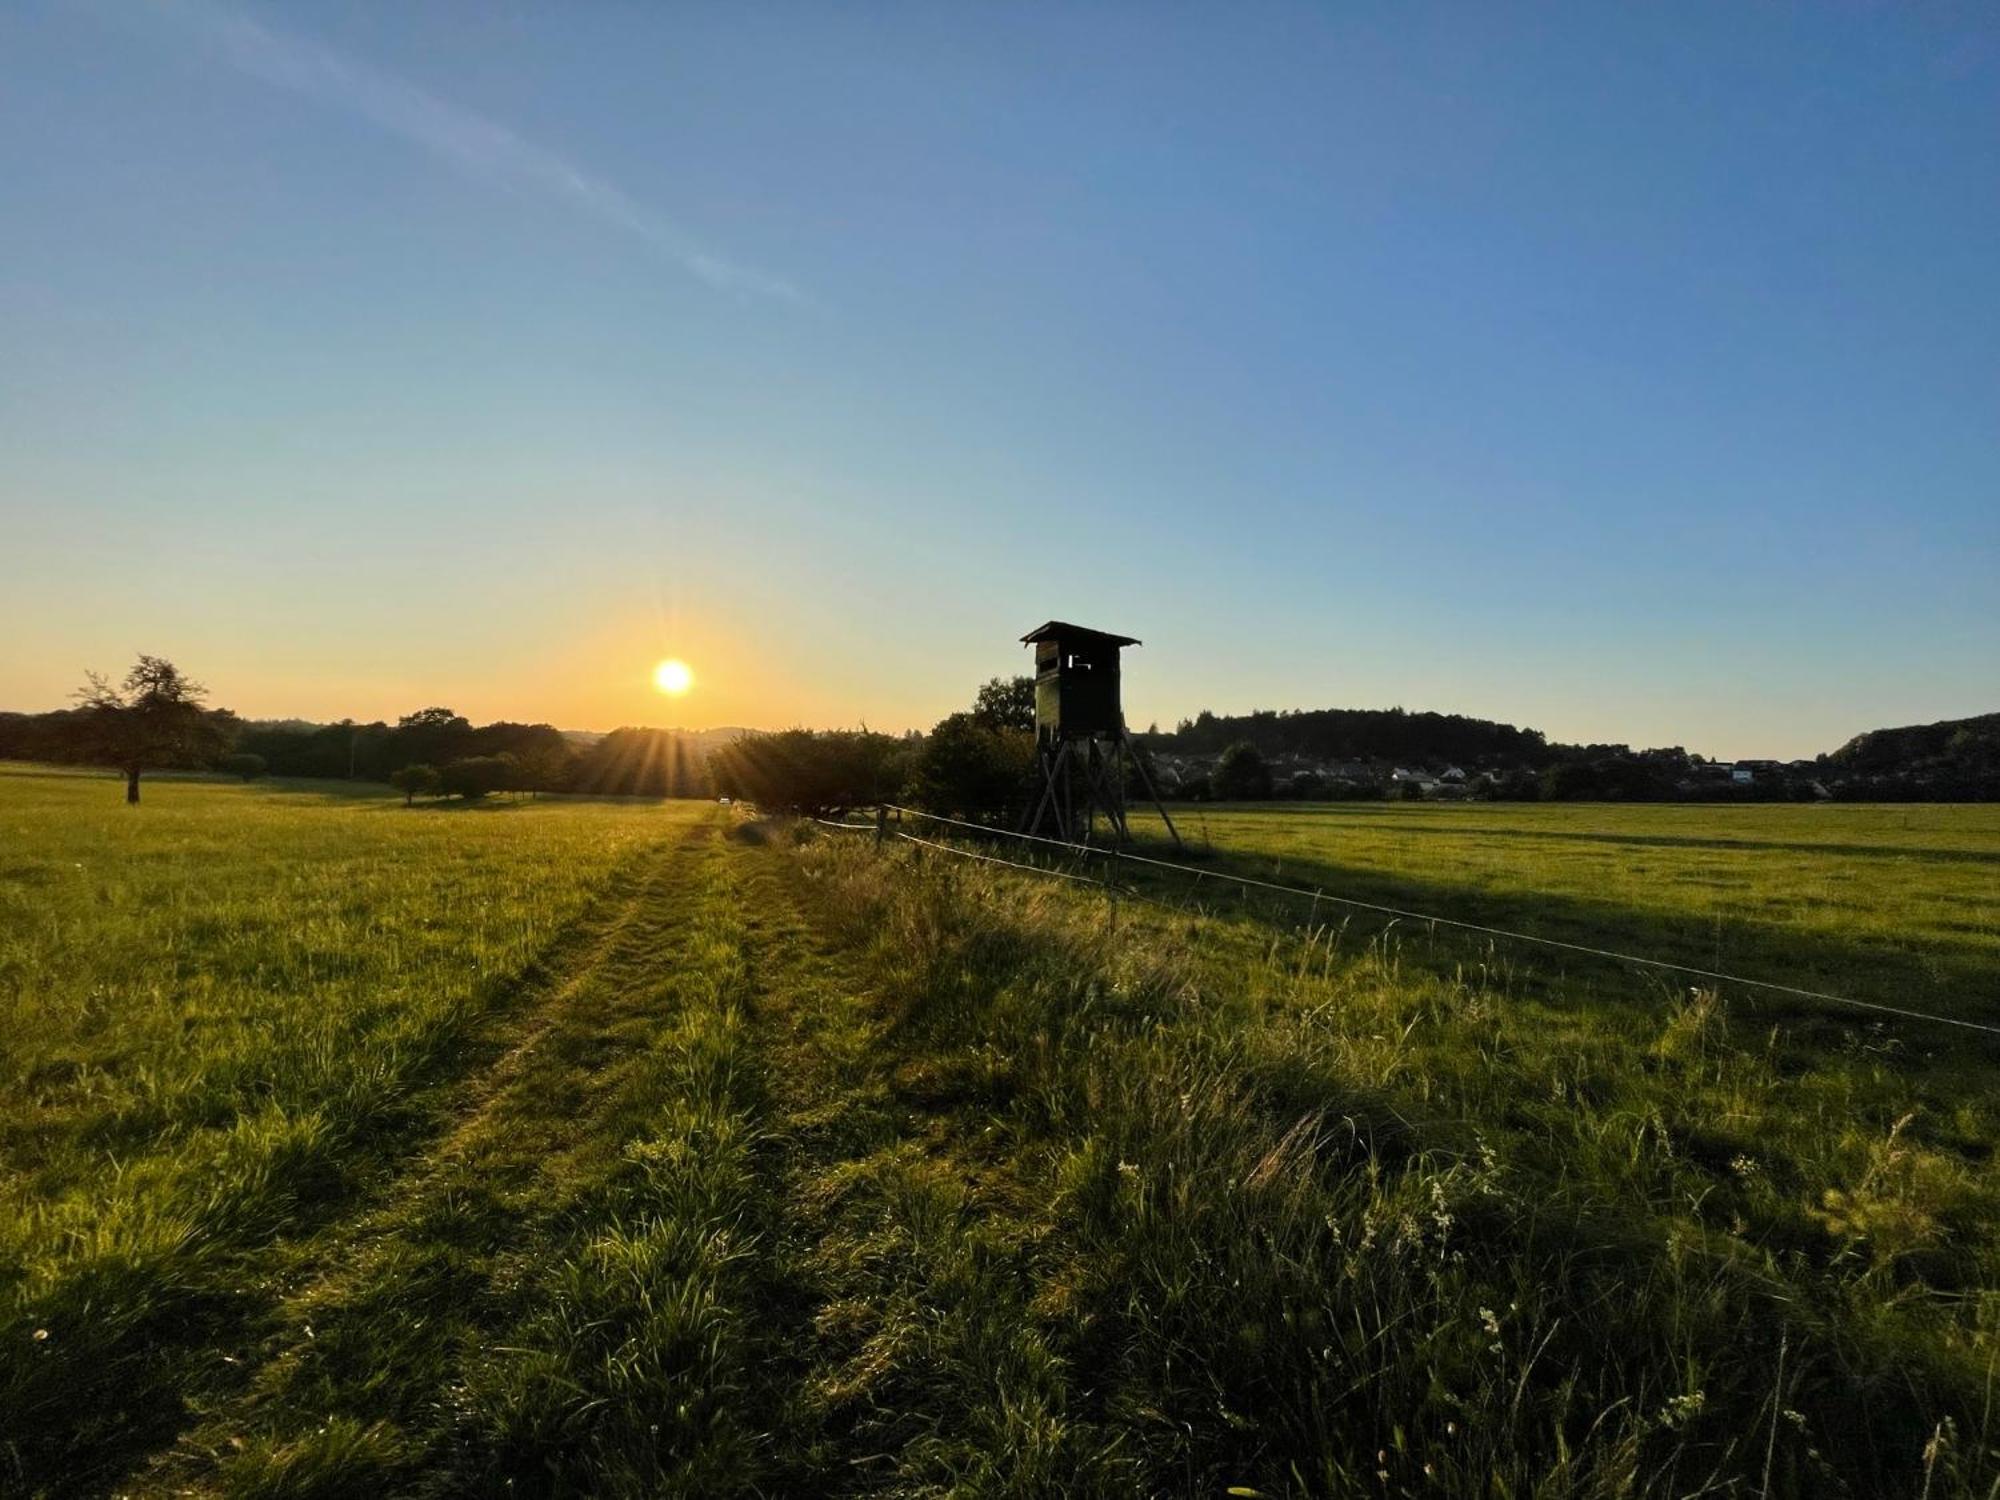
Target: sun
673,677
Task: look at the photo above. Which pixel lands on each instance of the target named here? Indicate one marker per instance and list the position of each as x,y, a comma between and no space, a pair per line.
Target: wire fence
1012,864
1318,896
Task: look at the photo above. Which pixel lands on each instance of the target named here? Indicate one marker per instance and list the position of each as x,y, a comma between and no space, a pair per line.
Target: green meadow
603,1148
1897,904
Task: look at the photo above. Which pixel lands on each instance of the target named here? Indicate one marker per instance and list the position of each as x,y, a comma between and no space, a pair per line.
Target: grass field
1899,904
588,1148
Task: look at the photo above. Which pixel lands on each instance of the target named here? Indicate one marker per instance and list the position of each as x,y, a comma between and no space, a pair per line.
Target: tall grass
1318,1221
212,1008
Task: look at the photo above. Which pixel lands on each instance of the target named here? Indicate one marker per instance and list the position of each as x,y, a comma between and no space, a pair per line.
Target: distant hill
1959,754
709,740
705,740
1956,760
1359,734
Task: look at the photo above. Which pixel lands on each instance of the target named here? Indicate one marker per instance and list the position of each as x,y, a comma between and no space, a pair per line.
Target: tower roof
1062,630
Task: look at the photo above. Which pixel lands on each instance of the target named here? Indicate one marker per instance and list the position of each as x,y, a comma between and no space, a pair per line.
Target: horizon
1158,724
1626,376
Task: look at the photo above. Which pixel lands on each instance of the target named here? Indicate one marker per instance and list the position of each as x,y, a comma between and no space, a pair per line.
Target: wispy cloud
464,139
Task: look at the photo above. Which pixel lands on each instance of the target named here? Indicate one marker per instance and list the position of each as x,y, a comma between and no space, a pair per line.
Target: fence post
881,825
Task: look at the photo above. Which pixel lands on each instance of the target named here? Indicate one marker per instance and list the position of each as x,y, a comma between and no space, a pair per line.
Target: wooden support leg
1154,792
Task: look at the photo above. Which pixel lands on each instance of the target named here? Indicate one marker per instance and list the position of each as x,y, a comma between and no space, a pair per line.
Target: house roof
1062,630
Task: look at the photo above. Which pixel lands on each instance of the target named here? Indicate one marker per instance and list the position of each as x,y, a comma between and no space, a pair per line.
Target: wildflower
41,1335
1683,1408
1440,1213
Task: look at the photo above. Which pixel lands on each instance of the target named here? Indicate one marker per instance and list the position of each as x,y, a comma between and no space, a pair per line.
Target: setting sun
673,677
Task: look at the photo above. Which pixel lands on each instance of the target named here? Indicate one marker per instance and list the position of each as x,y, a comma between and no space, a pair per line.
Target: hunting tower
1080,738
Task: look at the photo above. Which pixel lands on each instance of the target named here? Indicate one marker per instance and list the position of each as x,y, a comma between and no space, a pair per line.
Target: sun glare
673,677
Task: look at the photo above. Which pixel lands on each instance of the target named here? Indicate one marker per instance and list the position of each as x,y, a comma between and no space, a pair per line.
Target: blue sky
1631,372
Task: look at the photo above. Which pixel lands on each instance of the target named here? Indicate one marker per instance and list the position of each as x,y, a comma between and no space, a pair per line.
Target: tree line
976,763
158,718
1955,760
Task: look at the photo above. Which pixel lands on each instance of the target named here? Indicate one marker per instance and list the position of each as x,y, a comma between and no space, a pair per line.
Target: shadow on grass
1949,982
1378,819
392,800
326,789
515,801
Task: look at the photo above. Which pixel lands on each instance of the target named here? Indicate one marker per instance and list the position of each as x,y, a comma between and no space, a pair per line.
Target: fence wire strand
1318,896
991,859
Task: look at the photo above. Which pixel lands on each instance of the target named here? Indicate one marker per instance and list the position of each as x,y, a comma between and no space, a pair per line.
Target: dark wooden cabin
1076,681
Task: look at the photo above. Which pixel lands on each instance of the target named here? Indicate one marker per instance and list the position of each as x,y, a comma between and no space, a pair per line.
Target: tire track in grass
633,1357
382,1309
79,1418
712,1231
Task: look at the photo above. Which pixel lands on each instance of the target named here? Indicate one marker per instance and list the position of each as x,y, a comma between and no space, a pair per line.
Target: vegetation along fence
883,829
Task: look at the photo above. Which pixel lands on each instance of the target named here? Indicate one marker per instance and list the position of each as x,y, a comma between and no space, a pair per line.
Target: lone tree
155,720
416,781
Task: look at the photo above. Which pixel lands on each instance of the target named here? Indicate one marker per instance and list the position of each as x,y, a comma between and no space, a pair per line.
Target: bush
1345,789
1607,780
814,772
1241,775
968,768
478,775
249,767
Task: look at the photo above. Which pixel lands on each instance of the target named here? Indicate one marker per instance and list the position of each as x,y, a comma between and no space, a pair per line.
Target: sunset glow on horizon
365,359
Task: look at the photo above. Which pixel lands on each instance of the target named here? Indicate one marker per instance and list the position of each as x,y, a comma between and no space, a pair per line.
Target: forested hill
1361,734
1955,760
1951,747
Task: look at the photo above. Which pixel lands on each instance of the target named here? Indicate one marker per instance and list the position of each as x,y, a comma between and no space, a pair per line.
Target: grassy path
386,1350
706,1228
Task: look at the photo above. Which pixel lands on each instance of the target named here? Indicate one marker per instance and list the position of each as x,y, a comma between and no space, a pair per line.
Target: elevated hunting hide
1080,737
